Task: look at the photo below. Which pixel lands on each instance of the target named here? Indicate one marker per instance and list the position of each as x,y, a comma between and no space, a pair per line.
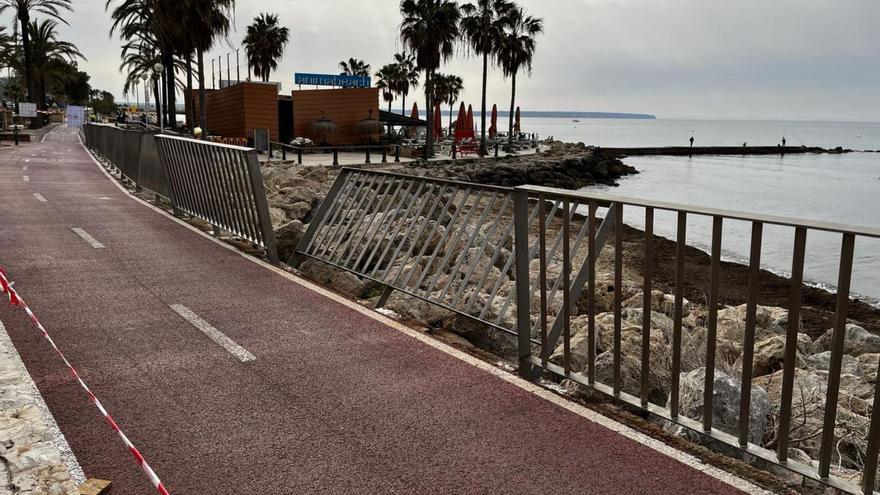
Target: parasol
438,122
469,122
460,119
493,128
369,126
516,124
322,127
410,131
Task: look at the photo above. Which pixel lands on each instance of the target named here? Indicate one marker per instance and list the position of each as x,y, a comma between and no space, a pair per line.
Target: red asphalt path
335,402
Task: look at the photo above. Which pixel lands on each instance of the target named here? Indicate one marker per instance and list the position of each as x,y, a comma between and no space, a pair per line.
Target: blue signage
332,80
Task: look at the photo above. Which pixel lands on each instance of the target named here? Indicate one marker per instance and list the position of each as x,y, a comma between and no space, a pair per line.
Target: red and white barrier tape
15,300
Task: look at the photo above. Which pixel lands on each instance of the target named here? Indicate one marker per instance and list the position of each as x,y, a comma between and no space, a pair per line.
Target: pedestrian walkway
231,377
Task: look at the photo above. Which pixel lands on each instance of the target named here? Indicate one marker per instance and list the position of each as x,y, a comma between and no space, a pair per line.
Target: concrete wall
345,107
237,110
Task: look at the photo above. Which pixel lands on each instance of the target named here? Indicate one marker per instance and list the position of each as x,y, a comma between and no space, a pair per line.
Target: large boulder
856,341
732,322
339,280
415,310
769,356
726,392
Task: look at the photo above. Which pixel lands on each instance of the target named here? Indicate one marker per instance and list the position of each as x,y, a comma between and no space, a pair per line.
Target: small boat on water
575,120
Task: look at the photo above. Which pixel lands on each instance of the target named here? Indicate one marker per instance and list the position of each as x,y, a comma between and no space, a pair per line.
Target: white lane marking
24,168
88,238
217,336
40,197
26,160
25,178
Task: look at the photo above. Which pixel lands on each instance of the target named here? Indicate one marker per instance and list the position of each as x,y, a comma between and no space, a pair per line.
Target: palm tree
354,67
408,77
212,21
23,8
385,80
441,89
482,25
516,51
454,87
429,30
264,44
50,57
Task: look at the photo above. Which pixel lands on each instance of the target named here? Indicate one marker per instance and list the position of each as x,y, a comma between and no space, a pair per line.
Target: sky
715,59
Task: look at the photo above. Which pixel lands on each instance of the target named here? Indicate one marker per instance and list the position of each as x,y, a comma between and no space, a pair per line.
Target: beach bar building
236,111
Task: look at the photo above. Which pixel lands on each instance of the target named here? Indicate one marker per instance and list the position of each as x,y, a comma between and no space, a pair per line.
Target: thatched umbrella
322,127
368,127
470,119
493,129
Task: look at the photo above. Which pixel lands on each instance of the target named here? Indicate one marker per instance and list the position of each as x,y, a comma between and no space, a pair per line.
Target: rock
277,216
857,341
726,393
295,211
339,280
415,310
660,302
287,237
769,356
732,323
868,364
822,362
630,372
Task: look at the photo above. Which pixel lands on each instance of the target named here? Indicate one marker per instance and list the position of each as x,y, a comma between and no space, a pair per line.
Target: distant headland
563,114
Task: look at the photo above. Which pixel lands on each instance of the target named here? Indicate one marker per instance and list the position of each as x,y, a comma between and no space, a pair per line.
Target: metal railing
382,153
523,261
539,356
132,152
220,184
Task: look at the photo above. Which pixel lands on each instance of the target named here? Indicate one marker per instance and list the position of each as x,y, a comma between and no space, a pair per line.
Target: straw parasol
322,127
516,122
470,119
369,126
493,128
438,121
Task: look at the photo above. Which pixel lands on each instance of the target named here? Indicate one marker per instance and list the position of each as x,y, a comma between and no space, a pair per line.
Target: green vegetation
264,44
354,67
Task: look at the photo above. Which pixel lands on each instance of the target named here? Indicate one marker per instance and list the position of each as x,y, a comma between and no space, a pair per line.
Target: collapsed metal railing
527,195
220,184
132,152
521,260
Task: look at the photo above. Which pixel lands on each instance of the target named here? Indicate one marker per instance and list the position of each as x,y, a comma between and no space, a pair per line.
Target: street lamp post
157,70
144,78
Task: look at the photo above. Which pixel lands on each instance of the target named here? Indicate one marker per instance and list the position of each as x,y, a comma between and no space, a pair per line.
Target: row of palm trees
498,31
43,60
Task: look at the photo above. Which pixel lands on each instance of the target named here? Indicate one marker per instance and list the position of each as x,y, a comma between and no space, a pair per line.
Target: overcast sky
743,59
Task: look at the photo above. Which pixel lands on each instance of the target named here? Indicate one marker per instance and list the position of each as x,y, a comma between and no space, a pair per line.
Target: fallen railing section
220,184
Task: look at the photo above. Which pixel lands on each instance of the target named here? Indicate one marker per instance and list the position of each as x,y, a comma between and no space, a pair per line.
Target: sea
840,188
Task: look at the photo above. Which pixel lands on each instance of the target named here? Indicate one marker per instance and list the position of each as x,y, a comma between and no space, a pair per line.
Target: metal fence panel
219,184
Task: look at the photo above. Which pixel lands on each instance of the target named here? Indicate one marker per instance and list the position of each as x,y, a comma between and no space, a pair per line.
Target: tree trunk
450,118
41,94
483,106
164,99
24,19
203,116
403,104
170,88
512,103
188,97
429,114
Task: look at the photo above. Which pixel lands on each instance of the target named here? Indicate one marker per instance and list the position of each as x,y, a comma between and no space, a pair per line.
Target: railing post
496,150
453,151
284,152
299,156
521,258
397,154
384,155
368,155
335,156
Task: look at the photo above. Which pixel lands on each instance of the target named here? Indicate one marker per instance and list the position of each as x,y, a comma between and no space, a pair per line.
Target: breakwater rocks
720,150
565,165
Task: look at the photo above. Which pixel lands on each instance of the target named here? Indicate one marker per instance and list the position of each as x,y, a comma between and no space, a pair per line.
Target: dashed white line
216,335
40,197
25,178
24,168
88,238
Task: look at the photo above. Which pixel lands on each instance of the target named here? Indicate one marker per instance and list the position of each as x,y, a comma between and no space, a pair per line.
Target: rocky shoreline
295,191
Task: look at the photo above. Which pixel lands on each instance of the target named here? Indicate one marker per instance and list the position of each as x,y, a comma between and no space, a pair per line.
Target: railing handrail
206,142
340,147
490,187
837,228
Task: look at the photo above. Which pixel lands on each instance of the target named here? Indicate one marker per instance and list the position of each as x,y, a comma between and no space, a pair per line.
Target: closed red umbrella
516,124
470,119
438,122
493,129
411,131
460,119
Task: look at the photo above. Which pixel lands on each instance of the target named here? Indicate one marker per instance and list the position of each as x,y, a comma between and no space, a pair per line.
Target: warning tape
16,300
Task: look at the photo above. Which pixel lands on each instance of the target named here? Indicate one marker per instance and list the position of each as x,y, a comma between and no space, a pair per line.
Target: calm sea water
836,188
